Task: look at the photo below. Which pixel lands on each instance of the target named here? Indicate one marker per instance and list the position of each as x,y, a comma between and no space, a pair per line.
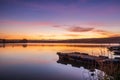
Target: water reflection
2,45
38,61
95,72
13,44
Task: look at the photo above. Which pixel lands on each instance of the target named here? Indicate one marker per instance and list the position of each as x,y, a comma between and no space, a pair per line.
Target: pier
86,58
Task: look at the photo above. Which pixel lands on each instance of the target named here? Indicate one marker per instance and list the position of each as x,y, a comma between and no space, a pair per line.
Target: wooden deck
86,58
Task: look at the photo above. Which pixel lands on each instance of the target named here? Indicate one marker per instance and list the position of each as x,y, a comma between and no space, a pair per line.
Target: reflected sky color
59,19
39,62
39,54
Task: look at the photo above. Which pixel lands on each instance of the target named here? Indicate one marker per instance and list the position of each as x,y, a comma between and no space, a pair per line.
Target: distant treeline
90,40
13,41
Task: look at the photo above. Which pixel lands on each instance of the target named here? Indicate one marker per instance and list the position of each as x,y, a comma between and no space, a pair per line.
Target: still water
39,61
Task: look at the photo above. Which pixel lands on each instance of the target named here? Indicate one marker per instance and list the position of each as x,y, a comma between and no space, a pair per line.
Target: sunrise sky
59,19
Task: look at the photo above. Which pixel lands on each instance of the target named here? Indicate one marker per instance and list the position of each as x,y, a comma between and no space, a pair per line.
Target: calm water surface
39,62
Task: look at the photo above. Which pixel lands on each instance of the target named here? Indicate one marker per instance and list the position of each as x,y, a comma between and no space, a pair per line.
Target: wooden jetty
86,58
112,48
111,67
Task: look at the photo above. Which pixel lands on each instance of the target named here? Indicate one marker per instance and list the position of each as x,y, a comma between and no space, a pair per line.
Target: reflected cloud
43,55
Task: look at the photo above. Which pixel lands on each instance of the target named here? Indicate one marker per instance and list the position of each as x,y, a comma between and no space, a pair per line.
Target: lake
39,61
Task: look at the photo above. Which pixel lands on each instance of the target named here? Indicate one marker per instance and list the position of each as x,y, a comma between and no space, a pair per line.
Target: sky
59,19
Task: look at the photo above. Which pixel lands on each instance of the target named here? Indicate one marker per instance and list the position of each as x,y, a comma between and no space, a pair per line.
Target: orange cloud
106,33
88,31
60,36
16,36
69,32
73,35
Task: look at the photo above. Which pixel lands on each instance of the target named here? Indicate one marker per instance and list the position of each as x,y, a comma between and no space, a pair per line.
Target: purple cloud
79,29
74,28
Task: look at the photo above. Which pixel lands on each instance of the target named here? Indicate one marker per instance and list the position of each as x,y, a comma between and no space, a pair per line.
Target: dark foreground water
39,62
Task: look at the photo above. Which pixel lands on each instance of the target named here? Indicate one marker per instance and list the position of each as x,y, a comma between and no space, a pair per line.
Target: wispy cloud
26,23
14,36
61,36
106,33
71,28
79,29
65,6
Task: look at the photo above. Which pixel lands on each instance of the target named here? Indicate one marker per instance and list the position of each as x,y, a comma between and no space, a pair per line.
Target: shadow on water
110,71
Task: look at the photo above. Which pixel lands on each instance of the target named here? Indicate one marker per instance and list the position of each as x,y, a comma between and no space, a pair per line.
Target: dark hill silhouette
87,40
95,40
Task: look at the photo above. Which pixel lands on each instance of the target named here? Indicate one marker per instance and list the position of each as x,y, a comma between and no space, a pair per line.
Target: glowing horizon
60,19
